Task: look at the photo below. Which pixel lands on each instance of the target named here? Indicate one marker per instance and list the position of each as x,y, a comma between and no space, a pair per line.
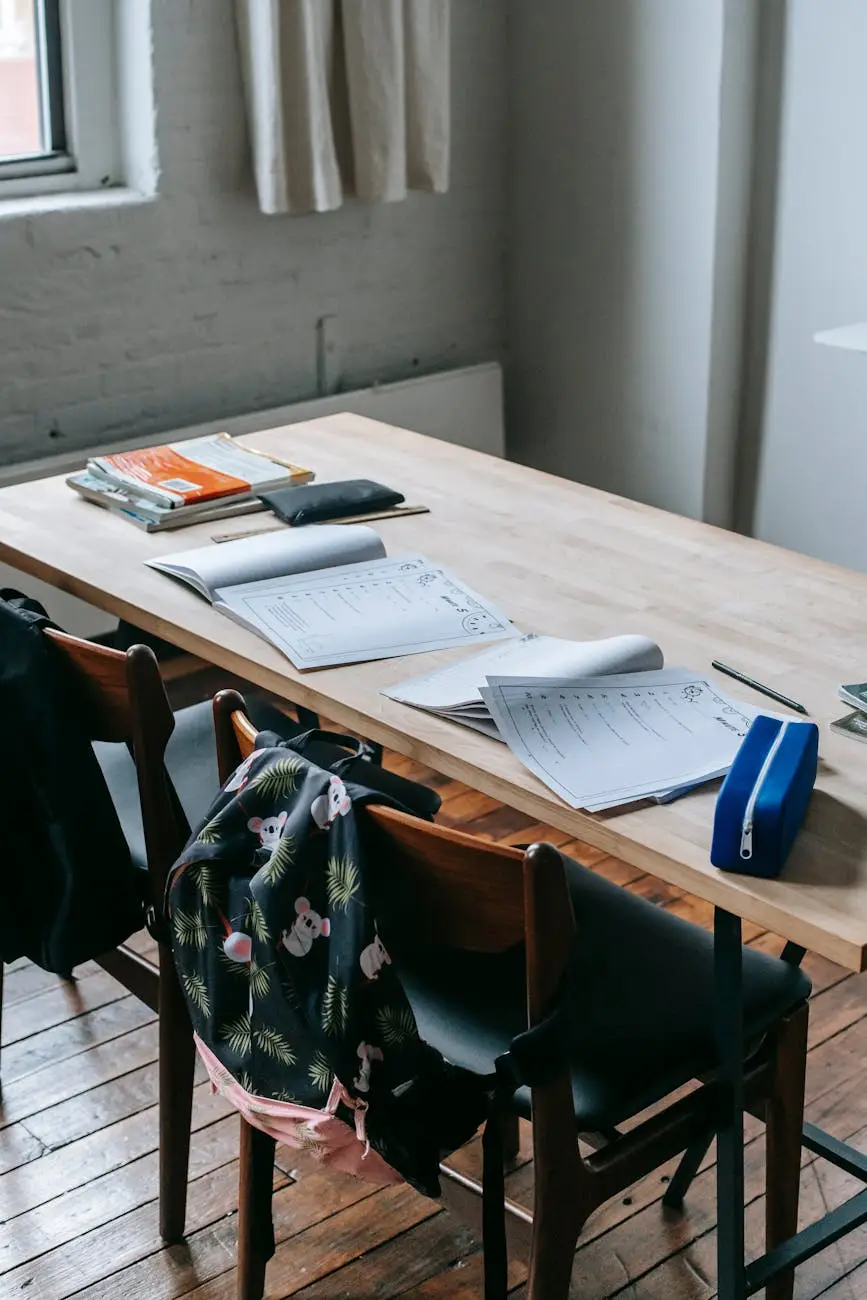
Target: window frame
77,44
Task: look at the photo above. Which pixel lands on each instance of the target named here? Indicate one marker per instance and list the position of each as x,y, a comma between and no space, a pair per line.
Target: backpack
71,891
298,1012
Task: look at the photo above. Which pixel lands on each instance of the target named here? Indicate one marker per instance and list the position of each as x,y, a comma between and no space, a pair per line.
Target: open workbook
455,692
601,723
329,595
606,741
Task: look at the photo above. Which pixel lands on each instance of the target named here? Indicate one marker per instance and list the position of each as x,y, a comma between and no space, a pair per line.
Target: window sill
108,199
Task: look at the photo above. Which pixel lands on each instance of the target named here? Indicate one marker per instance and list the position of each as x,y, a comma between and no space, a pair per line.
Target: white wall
614,133
811,412
628,144
194,306
688,205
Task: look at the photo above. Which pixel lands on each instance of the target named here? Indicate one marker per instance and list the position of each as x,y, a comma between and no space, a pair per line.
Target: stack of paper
455,692
605,741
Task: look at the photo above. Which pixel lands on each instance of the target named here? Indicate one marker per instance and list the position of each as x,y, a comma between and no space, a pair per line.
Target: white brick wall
130,319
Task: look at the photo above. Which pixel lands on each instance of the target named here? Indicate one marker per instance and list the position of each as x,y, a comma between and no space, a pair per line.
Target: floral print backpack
298,1011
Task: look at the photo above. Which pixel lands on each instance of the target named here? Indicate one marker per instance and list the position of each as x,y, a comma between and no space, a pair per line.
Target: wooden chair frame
487,897
124,701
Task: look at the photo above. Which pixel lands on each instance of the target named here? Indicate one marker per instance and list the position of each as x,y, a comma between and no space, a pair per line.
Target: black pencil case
311,503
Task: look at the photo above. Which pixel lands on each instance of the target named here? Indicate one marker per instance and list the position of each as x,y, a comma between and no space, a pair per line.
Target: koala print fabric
298,1011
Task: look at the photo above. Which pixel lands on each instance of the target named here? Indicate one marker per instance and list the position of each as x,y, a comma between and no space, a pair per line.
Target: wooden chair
161,771
127,713
160,767
492,931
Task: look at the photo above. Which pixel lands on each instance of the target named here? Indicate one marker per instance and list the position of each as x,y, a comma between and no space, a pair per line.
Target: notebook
853,725
455,692
855,695
329,595
210,569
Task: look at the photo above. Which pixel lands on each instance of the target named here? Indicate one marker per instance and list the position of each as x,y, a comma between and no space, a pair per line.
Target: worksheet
455,691
605,741
355,612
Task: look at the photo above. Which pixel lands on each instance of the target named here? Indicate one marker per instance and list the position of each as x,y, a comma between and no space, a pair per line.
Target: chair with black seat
494,931
161,771
191,762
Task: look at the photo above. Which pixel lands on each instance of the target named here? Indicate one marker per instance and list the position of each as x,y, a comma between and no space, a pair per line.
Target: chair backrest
466,893
122,699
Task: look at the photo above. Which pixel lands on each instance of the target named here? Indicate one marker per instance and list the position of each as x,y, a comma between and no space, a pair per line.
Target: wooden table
562,559
570,561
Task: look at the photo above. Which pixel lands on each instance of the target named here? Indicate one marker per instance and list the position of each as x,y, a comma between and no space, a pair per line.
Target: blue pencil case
764,798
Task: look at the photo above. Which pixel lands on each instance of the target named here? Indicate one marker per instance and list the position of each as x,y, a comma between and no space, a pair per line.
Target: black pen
757,686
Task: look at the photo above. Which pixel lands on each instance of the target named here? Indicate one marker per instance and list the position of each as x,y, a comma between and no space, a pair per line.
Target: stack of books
854,724
181,483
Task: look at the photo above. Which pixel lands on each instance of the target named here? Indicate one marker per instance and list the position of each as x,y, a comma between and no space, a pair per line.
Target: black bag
70,889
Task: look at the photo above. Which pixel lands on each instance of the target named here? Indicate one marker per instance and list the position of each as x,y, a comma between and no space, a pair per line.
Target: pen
757,686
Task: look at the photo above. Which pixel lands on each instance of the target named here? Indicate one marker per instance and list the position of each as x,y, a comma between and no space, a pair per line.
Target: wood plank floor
78,1164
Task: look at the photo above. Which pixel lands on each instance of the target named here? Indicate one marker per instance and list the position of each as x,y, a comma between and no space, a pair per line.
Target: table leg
731,1272
307,718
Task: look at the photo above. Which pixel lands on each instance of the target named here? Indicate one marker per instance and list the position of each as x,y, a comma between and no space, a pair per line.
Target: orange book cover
166,469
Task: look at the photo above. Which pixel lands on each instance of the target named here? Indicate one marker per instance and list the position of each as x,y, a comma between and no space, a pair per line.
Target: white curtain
345,97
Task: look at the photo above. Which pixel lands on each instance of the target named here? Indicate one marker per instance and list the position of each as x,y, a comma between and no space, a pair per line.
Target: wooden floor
78,1164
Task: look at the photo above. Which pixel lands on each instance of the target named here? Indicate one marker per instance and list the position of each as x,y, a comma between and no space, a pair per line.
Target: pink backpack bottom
318,1132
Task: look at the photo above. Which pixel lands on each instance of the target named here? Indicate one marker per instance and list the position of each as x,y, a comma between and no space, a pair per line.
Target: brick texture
193,306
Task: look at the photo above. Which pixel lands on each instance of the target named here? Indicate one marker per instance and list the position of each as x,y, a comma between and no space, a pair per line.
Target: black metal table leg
731,1271
736,1280
690,1163
307,717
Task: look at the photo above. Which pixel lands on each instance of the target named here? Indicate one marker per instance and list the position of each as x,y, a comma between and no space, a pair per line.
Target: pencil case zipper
749,810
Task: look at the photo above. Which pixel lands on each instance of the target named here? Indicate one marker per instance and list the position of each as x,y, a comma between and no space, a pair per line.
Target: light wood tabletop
562,559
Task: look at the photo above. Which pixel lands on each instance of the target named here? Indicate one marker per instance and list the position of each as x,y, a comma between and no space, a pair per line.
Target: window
57,101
